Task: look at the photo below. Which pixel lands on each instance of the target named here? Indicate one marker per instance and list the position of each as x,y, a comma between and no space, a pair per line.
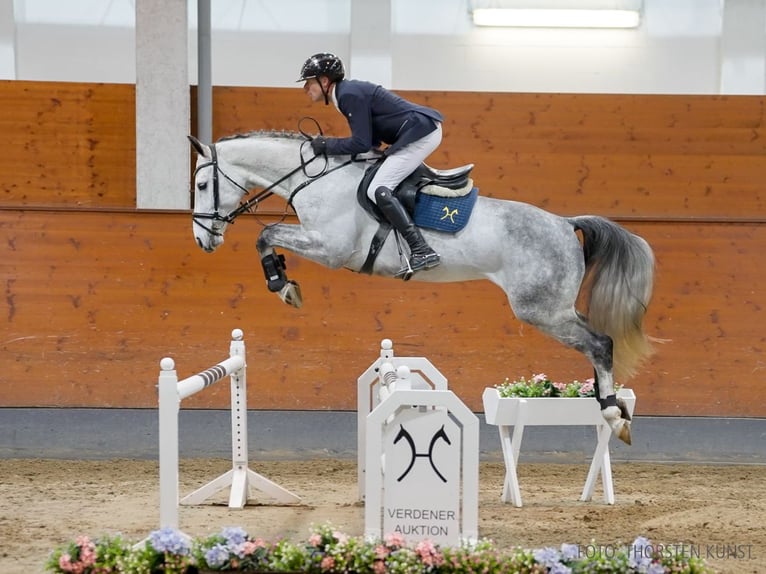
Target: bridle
217,219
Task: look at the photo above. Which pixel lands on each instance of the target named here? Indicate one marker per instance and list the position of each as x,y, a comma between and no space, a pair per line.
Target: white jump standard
240,477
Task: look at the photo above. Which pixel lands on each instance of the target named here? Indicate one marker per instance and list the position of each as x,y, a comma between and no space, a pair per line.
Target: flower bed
327,551
541,386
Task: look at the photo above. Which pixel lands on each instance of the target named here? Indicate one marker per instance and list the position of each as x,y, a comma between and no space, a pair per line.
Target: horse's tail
620,274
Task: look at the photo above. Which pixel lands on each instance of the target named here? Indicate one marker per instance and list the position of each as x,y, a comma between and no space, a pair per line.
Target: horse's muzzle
207,248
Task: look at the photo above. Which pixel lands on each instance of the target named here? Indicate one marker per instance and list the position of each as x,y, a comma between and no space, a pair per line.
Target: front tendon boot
421,254
274,270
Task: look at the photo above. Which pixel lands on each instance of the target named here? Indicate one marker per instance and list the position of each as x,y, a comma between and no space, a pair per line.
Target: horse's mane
274,134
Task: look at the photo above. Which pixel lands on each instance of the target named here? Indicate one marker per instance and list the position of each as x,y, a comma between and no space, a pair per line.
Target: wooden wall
96,292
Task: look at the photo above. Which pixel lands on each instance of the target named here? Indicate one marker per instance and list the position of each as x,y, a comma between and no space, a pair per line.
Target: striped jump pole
240,478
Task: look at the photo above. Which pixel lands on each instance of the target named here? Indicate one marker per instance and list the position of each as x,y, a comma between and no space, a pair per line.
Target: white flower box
548,411
518,412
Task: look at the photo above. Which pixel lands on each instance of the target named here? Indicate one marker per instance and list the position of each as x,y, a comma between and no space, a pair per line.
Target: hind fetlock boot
421,254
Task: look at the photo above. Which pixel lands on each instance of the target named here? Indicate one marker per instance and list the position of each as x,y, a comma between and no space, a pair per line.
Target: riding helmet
323,64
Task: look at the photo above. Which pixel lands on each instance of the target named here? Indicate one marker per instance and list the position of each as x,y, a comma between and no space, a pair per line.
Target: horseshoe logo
404,434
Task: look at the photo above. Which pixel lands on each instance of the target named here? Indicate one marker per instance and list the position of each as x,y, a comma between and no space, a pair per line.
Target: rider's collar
333,97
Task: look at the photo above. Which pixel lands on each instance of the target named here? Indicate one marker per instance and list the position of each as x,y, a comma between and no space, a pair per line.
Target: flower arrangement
232,550
166,550
541,386
328,551
86,556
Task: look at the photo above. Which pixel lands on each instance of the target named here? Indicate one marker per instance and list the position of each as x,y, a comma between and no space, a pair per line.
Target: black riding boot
421,254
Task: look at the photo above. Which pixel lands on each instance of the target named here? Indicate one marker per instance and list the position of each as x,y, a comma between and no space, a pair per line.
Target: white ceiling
662,18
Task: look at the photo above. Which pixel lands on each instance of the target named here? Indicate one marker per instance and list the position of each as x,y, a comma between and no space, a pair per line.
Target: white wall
679,48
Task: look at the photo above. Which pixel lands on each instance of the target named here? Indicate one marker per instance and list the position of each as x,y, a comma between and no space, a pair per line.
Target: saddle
424,180
439,199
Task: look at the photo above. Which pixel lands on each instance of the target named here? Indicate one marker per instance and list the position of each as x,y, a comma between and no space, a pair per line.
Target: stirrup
418,262
405,273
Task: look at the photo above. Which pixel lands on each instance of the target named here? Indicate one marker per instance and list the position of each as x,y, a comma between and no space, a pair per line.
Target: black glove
319,145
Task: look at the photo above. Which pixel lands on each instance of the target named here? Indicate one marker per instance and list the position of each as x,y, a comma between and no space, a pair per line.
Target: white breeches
402,163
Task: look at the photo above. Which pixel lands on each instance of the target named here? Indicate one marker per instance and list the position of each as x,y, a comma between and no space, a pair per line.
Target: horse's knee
262,244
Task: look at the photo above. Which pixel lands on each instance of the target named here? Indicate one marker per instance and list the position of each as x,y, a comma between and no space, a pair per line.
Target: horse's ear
199,147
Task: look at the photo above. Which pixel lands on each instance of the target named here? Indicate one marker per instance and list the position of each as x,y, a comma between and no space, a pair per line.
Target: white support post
169,405
240,477
601,464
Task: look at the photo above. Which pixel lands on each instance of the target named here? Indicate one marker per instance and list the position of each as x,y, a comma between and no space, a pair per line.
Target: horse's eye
202,185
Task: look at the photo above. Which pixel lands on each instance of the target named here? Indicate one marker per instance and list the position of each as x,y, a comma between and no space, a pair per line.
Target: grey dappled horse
534,256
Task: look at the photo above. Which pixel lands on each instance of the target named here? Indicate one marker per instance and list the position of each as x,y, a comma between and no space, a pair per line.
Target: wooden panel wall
68,145
647,157
96,293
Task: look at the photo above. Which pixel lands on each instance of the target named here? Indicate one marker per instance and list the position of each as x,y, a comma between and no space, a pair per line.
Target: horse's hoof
291,294
624,433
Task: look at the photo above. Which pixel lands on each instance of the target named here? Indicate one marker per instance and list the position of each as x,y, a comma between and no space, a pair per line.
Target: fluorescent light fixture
556,17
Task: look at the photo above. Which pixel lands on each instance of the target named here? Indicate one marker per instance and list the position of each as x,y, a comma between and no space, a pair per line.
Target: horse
542,261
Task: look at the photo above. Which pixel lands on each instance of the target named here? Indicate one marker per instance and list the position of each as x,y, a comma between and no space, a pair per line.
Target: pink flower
65,562
560,386
395,540
539,378
379,567
249,547
340,537
260,543
88,555
315,539
587,386
428,553
381,551
328,562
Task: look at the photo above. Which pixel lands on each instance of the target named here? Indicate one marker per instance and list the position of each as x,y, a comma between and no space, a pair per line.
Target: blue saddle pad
444,213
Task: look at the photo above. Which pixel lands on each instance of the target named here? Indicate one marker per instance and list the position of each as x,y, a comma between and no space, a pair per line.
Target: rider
376,115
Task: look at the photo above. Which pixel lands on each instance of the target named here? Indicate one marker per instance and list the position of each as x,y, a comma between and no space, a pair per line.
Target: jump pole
240,477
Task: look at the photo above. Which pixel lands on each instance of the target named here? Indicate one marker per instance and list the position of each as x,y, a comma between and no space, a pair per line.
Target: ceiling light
557,13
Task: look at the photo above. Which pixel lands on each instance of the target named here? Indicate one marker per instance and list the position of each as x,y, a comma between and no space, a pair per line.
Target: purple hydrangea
170,540
547,556
217,556
640,554
234,535
570,551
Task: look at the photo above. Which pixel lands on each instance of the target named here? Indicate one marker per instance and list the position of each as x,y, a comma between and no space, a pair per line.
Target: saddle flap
446,214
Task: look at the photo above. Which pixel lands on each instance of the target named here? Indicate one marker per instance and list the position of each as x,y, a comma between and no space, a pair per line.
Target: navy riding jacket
376,115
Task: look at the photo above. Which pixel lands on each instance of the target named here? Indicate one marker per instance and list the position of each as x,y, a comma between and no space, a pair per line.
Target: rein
218,219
